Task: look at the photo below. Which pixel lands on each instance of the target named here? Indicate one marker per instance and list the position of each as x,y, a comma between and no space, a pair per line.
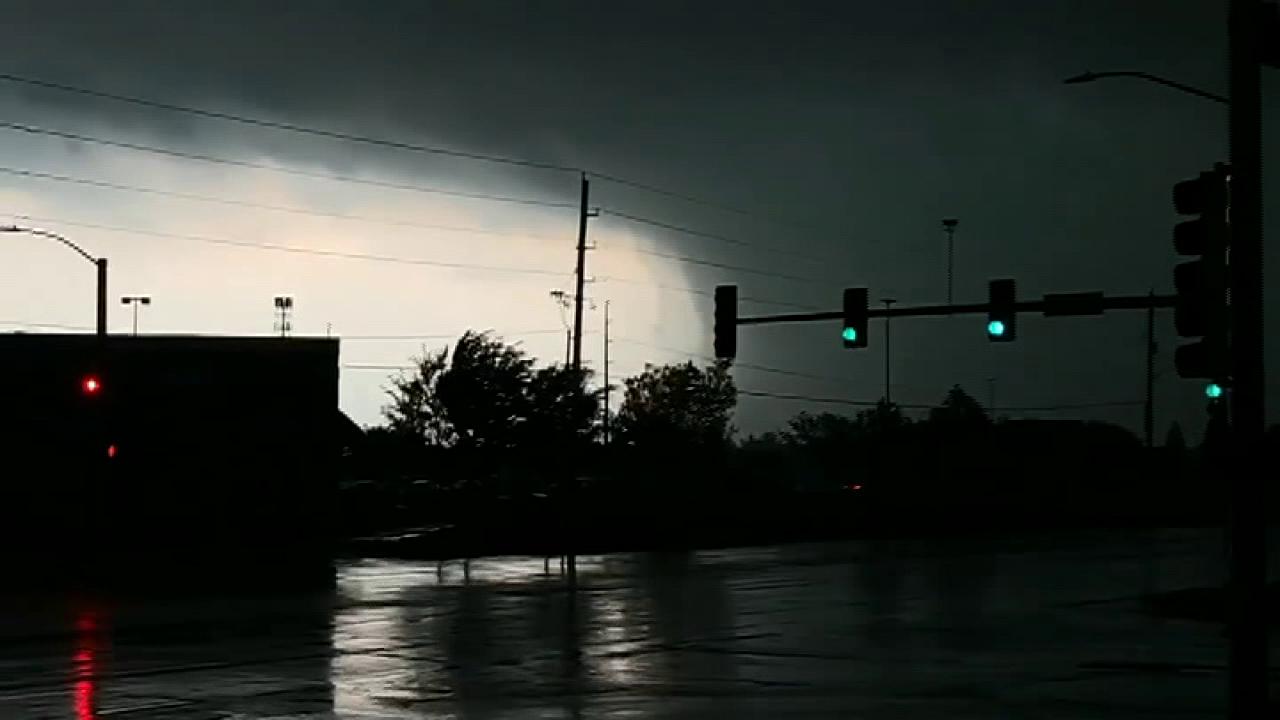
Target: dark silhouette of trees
677,406
484,403
959,409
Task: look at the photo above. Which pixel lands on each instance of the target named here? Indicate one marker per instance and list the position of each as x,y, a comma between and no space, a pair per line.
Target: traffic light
854,331
726,325
1002,312
1201,304
91,385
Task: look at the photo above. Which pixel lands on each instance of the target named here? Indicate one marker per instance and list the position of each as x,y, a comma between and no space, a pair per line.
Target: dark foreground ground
1050,625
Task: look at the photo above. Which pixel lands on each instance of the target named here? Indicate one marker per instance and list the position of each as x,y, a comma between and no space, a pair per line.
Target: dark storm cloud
866,121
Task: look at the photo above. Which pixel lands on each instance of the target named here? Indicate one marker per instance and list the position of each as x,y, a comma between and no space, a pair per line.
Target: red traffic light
91,385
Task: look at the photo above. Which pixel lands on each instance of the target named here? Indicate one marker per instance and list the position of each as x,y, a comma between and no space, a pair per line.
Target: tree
485,392
416,410
959,408
485,395
678,406
561,409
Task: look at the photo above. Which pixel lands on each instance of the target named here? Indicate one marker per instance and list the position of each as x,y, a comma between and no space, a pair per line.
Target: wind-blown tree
483,400
416,410
678,406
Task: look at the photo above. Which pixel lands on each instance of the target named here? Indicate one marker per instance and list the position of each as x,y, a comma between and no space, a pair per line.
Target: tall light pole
949,227
1138,75
606,373
1247,20
284,308
888,302
99,262
135,301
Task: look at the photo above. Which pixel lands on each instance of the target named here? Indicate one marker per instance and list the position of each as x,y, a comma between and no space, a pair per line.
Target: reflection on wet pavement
1032,628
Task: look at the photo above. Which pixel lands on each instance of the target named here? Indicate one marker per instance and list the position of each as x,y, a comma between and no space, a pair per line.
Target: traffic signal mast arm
1048,305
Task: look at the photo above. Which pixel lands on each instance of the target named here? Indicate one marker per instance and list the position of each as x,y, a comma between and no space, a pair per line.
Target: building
205,449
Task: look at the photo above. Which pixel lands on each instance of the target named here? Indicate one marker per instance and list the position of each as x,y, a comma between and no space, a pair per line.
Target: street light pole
135,301
1189,89
949,225
887,393
99,262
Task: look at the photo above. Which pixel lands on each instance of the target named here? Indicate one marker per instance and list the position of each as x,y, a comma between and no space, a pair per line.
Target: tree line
479,420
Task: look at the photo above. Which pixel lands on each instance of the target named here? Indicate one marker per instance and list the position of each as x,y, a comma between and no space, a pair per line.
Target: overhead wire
298,250
123,187
289,127
384,142
198,157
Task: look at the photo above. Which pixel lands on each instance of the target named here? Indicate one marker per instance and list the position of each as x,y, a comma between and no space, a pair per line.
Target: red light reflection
84,664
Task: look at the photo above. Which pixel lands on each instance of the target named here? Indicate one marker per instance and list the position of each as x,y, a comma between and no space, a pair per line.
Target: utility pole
102,295
580,274
580,278
606,373
887,319
949,226
1245,608
1148,408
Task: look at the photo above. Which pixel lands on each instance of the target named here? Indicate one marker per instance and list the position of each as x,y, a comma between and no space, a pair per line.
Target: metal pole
606,372
568,346
101,263
135,317
888,397
1148,408
580,278
950,226
1247,629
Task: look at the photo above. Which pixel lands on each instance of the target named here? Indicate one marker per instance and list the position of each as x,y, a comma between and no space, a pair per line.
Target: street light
1092,76
135,301
888,303
284,307
100,263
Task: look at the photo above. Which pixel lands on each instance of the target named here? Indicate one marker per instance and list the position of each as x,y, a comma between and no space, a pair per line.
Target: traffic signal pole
1246,610
1050,305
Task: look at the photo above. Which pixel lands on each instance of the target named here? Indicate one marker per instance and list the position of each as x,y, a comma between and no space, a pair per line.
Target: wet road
1034,628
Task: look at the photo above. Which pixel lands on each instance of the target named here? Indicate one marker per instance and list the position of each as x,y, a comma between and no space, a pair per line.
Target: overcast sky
846,131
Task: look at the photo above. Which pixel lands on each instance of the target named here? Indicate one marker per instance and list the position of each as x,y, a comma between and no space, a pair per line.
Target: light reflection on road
868,629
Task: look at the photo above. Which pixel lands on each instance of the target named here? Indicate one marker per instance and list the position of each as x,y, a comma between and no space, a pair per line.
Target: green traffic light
1213,391
995,328
850,334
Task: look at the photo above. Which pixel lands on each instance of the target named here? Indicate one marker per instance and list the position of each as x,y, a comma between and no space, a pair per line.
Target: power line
703,293
383,142
742,365
446,336
35,130
123,187
725,266
829,400
102,184
289,127
297,250
698,201
54,326
713,236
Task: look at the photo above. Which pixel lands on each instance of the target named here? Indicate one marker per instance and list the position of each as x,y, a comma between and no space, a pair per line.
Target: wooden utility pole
606,373
580,277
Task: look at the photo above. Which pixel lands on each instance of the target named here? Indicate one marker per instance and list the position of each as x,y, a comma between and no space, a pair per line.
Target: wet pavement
1043,627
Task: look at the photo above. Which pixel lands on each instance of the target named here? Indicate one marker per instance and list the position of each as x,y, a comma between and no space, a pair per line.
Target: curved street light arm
1190,90
52,236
